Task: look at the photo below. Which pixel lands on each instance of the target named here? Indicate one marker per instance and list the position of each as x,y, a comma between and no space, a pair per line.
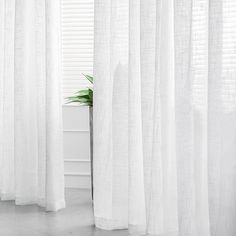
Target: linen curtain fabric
164,117
31,161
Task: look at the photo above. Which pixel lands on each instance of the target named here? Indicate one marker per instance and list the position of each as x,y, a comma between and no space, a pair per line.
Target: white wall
76,146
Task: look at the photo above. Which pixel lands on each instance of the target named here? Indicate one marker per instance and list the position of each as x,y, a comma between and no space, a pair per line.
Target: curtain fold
31,158
164,114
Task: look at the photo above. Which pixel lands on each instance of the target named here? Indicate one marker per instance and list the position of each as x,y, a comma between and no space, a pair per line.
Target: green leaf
83,92
83,99
85,96
89,78
72,98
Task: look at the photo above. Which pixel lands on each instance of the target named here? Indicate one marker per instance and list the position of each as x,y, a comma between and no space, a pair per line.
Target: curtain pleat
31,120
221,116
136,205
164,117
7,98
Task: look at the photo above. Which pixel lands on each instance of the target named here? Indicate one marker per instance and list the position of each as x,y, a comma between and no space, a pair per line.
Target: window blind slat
77,43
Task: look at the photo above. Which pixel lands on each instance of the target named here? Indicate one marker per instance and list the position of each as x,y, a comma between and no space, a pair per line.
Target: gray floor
76,219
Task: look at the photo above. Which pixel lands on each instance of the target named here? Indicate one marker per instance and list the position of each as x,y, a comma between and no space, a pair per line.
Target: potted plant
85,98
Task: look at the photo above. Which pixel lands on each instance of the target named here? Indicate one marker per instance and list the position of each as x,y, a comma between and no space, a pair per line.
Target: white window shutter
77,43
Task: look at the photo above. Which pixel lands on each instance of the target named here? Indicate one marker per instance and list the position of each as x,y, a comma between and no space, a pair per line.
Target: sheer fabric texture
31,161
164,117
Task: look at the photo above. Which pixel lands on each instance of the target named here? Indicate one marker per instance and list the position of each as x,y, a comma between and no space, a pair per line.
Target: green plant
85,96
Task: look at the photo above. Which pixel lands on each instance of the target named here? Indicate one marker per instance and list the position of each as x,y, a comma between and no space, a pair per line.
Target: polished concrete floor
76,219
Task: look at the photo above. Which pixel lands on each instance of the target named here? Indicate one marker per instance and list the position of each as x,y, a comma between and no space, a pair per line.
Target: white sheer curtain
165,116
31,155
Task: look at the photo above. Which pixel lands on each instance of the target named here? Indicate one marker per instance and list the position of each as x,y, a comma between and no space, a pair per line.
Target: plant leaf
89,78
85,96
83,92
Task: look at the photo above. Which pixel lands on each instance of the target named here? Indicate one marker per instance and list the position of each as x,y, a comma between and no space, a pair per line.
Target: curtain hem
109,224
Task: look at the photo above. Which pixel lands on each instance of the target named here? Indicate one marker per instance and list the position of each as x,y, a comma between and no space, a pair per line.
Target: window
77,43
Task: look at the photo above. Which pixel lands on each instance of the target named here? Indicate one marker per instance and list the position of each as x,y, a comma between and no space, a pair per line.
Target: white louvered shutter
77,43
